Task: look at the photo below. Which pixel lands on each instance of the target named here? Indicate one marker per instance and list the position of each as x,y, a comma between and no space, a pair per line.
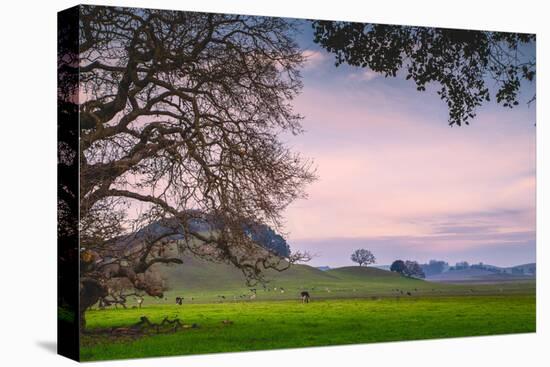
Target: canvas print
236,182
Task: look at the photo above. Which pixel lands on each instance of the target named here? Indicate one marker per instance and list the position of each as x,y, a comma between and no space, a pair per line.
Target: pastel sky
395,178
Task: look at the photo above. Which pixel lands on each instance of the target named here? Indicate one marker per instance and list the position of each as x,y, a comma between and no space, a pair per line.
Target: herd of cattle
304,296
121,300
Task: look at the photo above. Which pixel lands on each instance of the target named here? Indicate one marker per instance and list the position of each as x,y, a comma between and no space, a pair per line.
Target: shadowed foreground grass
284,324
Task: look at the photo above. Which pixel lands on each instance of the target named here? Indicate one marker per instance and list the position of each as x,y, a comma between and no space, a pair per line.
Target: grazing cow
305,297
409,294
253,296
179,300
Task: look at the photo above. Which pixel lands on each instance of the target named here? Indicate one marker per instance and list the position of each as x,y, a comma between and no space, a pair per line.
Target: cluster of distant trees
413,269
408,268
434,267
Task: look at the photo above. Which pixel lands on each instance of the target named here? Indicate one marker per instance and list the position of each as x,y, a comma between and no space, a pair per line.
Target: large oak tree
179,120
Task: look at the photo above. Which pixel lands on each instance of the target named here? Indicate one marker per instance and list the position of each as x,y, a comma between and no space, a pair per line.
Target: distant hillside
462,271
261,234
363,272
477,275
527,269
199,275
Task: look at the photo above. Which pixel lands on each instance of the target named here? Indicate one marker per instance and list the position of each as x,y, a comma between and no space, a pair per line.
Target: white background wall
28,191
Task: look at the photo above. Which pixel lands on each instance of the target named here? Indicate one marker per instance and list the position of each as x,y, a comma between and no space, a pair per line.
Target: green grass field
349,305
283,324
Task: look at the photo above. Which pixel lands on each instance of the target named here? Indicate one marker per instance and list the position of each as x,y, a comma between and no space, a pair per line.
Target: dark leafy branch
461,62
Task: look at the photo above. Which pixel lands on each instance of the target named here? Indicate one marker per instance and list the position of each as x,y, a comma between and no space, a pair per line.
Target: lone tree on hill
462,63
179,120
363,256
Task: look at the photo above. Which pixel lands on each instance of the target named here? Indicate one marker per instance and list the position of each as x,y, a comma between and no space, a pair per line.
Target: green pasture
277,323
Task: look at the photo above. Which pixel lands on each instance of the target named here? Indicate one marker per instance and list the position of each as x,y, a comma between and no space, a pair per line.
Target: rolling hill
197,276
360,273
201,274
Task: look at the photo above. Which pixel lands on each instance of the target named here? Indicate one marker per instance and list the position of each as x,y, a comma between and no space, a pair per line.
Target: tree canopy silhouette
398,266
462,62
179,116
